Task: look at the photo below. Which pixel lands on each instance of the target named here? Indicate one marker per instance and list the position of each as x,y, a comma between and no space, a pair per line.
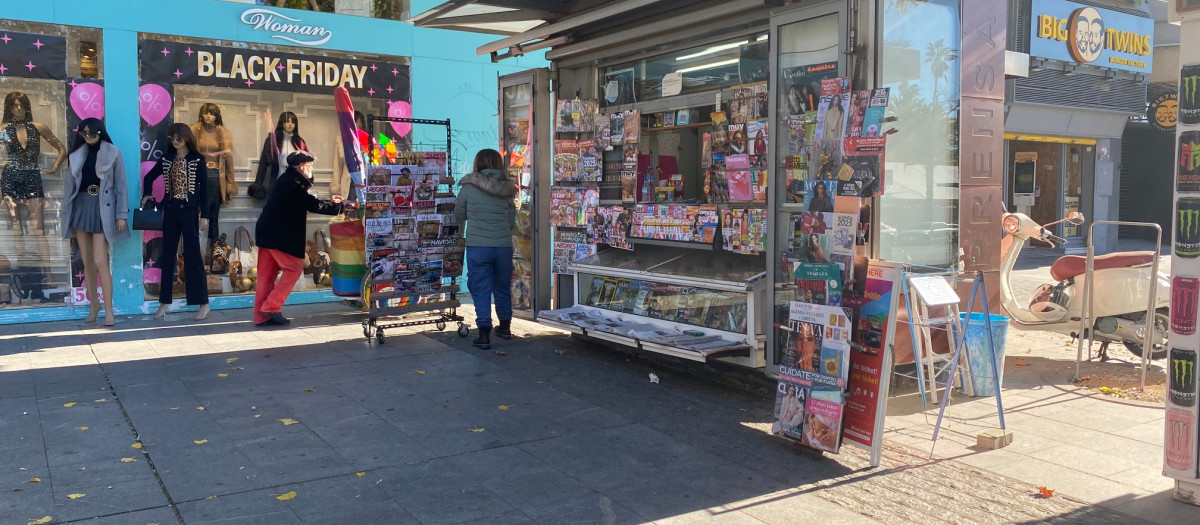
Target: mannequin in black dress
21,179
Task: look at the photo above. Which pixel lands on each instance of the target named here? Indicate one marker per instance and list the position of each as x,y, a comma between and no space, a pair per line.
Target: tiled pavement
426,429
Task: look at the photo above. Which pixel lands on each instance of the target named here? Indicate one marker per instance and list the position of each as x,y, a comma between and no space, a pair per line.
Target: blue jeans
489,274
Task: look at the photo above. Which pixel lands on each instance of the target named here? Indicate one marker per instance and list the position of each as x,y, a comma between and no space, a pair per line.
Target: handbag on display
148,217
219,255
321,261
214,283
246,260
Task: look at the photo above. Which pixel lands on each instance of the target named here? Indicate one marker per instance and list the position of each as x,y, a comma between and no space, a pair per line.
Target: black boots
503,331
484,341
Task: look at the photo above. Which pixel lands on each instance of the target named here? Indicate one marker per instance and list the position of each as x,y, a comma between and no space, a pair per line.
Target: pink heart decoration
155,103
87,99
401,109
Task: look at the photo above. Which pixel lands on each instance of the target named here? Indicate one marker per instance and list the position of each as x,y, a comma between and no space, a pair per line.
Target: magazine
818,283
876,108
858,110
864,156
790,398
566,160
633,126
590,162
823,420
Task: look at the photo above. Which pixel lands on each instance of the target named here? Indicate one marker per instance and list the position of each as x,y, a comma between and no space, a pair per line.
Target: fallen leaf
257,415
360,474
201,408
420,372
200,441
287,421
499,352
309,390
136,445
1045,492
127,460
285,497
34,480
101,401
561,352
211,497
69,405
41,521
503,407
1018,362
236,368
222,375
231,360
83,428
475,429
76,495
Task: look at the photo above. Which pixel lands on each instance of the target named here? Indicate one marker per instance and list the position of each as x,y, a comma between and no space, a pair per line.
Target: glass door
1072,188
807,48
522,145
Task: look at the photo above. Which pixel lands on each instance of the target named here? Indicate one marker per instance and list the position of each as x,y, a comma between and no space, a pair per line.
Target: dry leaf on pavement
499,352
231,360
560,352
420,372
1018,362
285,497
201,408
200,441
1045,492
127,460
69,405
41,521
83,428
309,390
503,407
76,495
475,429
101,401
287,421
136,445
34,480
360,474
222,375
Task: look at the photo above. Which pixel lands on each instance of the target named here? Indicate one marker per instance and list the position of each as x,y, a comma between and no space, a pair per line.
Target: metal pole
1151,308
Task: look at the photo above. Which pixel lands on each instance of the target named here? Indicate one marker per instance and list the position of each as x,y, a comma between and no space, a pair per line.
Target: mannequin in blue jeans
485,204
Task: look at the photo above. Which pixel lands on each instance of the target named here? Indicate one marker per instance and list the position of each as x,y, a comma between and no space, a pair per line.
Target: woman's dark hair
93,125
180,129
488,159
296,140
11,100
360,120
210,108
821,184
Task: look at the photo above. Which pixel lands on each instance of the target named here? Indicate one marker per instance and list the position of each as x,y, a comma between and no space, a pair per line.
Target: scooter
1121,292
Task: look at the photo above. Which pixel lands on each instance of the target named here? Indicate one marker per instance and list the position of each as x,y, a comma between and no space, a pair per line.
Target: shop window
386,9
231,81
48,84
920,63
709,67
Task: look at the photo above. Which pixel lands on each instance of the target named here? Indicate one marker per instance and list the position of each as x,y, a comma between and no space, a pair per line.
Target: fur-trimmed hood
492,182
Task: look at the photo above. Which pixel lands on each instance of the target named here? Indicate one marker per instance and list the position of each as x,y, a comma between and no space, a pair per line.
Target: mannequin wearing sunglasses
21,179
96,208
185,214
272,162
216,144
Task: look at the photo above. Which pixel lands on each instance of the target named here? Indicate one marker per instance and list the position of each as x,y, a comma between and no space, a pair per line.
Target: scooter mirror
1075,218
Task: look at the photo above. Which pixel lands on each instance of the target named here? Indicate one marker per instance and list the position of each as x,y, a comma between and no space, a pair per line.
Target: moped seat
1069,266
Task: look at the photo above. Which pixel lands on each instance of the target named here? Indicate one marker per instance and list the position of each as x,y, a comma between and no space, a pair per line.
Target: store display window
49,82
248,106
721,64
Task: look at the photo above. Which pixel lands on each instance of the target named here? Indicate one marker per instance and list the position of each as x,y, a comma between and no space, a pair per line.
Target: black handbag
148,217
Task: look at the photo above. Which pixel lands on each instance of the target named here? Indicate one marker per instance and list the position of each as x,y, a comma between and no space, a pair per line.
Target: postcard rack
412,239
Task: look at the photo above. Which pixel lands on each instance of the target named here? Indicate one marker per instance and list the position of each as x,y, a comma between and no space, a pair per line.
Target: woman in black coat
185,213
281,233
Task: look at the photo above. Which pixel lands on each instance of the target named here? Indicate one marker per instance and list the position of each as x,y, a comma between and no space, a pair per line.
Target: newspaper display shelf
414,253
691,305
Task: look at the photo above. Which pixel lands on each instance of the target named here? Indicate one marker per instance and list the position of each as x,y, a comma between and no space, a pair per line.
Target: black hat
299,157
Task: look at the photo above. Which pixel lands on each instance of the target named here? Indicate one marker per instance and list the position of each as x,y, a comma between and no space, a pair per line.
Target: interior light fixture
716,49
708,66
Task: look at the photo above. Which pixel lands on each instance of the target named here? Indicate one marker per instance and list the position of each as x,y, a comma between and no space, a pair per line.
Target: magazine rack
391,258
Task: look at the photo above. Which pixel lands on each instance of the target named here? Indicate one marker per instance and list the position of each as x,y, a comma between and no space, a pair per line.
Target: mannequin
280,143
185,215
96,207
216,144
20,179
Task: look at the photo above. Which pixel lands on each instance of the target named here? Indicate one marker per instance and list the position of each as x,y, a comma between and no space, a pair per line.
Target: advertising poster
1189,95
866,396
1188,179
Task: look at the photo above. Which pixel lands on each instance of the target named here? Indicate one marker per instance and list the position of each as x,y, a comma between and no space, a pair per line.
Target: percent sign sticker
87,99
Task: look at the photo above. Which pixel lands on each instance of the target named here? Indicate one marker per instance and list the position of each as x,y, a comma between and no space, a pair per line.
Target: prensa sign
1089,35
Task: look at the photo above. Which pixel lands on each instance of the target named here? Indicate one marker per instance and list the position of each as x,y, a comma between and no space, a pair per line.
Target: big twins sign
1088,35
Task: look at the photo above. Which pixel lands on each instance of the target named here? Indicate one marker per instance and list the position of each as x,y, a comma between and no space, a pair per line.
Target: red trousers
270,295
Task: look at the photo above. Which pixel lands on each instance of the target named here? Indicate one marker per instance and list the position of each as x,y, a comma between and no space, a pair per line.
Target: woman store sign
1088,35
285,27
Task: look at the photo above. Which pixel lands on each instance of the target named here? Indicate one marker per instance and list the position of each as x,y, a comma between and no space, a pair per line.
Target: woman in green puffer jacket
486,208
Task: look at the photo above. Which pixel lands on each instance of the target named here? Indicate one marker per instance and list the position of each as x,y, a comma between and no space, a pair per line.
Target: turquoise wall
448,81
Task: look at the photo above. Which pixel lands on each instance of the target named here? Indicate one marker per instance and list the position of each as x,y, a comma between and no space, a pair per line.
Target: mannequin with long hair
96,208
185,214
215,142
280,143
20,176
